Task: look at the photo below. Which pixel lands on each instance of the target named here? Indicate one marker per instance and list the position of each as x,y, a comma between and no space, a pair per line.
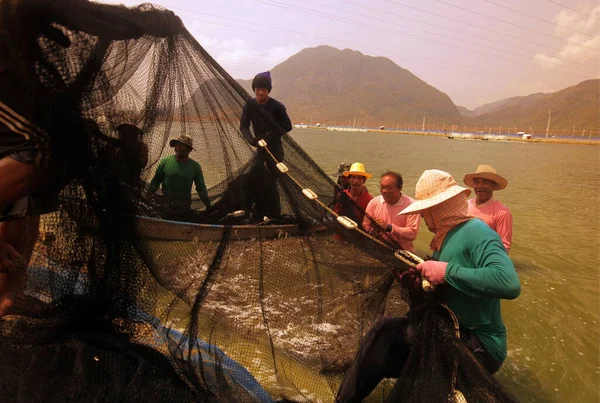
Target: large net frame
120,304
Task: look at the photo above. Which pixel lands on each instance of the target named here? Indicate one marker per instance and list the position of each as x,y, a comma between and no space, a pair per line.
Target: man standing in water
342,181
135,152
381,215
477,271
270,121
353,202
495,214
176,173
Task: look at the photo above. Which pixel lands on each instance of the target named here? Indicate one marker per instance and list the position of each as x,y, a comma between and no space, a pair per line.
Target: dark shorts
492,365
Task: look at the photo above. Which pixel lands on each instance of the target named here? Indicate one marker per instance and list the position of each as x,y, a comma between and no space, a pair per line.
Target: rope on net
403,255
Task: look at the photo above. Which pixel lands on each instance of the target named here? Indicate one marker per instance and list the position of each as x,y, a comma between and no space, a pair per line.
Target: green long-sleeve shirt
177,178
479,273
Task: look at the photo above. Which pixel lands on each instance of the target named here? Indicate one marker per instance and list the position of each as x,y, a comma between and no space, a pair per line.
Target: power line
572,9
245,54
446,45
240,63
537,18
410,58
256,58
464,33
323,15
383,50
511,23
452,19
417,29
471,35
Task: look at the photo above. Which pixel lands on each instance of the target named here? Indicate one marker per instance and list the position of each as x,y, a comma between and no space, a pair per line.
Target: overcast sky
476,51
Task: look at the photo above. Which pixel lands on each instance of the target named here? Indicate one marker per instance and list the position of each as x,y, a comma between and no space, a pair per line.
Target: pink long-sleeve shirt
497,216
404,227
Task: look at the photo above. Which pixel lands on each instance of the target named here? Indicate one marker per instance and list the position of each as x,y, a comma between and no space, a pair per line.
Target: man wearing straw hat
474,265
495,214
177,173
353,202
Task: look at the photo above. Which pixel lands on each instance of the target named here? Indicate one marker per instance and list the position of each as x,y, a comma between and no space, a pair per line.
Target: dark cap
262,80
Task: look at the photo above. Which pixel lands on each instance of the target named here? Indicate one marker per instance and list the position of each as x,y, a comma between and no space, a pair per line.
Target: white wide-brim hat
433,188
486,172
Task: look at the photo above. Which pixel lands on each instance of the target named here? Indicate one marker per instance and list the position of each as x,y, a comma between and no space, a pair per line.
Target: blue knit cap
262,80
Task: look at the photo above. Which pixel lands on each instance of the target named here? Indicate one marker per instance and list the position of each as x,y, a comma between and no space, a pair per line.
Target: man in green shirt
477,271
176,173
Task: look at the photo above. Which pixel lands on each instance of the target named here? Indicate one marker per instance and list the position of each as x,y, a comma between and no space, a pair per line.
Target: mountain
573,109
465,112
328,85
513,101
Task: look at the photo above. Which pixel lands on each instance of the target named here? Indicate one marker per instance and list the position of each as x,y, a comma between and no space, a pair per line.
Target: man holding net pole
270,121
453,338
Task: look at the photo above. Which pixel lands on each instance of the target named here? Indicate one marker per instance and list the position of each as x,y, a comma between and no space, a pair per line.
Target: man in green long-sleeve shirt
475,266
176,173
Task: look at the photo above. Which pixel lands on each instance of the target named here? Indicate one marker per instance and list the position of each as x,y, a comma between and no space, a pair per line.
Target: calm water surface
554,195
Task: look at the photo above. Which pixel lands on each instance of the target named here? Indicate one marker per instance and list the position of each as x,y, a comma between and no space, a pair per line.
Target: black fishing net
130,297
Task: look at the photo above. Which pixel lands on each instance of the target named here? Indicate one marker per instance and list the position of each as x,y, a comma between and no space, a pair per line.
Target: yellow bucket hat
357,169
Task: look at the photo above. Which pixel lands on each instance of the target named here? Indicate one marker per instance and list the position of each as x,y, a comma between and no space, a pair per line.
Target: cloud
588,36
239,57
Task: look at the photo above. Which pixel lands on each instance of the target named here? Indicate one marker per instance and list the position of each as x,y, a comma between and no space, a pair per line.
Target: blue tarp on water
215,363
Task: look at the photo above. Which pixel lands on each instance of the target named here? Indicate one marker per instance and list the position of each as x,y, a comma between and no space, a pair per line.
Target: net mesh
126,298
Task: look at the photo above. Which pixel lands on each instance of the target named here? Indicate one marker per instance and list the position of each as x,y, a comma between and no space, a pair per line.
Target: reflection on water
554,195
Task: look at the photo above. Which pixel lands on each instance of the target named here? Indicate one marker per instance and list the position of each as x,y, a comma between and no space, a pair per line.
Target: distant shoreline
480,137
472,136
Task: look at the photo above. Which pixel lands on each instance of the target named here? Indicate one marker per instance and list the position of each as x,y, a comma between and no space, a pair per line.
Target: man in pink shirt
381,215
495,214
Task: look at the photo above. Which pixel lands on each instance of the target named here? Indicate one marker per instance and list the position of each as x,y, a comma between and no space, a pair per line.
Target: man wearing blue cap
268,116
269,121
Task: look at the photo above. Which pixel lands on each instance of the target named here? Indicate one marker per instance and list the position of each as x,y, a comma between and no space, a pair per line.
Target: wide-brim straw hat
486,172
357,169
183,139
433,188
343,167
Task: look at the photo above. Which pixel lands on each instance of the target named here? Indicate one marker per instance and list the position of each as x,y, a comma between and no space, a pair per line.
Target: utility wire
256,59
511,23
537,18
572,9
452,19
245,54
320,14
449,37
410,58
471,35
432,41
417,29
